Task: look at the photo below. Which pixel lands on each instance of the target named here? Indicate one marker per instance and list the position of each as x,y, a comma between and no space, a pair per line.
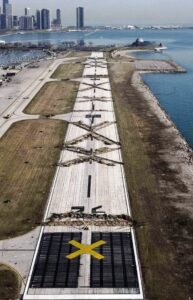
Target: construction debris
88,99
94,86
90,159
91,151
93,134
83,219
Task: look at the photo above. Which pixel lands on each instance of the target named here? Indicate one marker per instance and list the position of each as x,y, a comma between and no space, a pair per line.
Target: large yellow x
86,249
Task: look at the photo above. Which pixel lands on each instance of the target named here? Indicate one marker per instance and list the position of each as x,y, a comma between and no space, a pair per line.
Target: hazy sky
116,11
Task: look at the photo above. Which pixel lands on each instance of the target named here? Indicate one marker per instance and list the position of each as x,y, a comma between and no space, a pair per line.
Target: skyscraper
80,17
58,18
38,20
45,19
15,21
27,11
26,22
9,15
4,6
3,22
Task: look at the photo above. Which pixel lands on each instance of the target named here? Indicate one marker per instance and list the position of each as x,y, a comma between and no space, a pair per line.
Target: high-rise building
34,21
4,6
15,21
8,9
58,18
80,17
3,22
38,20
9,17
26,23
27,11
45,19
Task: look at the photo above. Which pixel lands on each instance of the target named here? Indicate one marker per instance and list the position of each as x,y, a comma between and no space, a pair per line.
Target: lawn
9,283
29,152
54,98
68,71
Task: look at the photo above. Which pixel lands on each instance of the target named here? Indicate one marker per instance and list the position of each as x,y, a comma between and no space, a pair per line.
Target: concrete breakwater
158,66
150,65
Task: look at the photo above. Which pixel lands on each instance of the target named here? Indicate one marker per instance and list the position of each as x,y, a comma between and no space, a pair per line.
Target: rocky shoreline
181,158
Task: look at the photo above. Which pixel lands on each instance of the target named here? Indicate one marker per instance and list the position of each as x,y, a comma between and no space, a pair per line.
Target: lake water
174,91
107,37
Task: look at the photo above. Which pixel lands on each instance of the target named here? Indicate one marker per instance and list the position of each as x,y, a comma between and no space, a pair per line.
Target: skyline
146,12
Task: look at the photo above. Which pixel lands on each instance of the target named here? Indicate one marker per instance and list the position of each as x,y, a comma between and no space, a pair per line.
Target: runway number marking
86,249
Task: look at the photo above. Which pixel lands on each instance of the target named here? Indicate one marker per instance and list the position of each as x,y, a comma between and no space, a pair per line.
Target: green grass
29,152
9,283
54,98
68,71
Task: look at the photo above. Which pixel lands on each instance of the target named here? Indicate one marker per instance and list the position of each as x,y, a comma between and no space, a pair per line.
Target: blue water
174,91
96,37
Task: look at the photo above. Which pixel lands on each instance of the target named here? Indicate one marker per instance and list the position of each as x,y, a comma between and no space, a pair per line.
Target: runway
89,181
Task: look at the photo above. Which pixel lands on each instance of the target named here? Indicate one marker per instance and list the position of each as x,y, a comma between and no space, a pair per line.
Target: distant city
40,21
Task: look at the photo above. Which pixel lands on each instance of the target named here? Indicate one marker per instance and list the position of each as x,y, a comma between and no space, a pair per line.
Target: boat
160,49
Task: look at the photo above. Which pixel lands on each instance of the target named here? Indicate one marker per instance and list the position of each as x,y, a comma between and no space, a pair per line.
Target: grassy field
57,97
28,154
68,71
9,283
54,98
79,54
163,232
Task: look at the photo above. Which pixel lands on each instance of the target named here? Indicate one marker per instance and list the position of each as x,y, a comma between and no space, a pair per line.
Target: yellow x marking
86,249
